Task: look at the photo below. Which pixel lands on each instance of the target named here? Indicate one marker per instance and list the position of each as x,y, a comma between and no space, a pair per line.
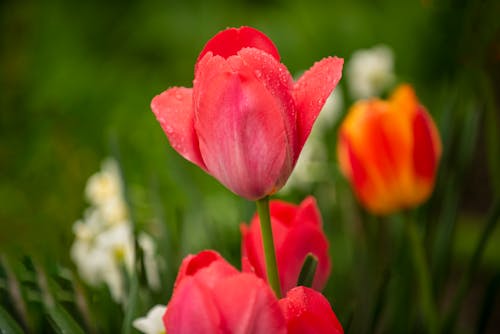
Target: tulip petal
248,306
208,265
252,245
251,251
242,135
199,315
296,233
352,167
228,42
174,111
290,214
283,211
278,81
311,92
426,149
300,241
308,212
193,263
308,312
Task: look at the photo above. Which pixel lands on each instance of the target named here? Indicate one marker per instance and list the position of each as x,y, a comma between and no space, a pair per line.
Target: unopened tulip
210,296
389,151
297,232
245,120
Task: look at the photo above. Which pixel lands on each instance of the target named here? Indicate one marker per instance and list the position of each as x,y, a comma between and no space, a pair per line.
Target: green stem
423,275
475,260
268,243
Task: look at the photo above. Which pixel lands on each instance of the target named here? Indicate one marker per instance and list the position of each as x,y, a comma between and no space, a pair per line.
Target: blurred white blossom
152,323
114,211
370,71
105,184
103,249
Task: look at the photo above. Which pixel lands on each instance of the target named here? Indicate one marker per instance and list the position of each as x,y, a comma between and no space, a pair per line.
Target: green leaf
132,301
306,276
7,324
62,321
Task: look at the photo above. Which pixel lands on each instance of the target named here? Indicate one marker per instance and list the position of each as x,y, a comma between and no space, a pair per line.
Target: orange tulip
389,151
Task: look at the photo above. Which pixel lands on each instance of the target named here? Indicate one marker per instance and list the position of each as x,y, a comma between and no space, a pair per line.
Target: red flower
245,121
211,296
389,151
297,232
308,312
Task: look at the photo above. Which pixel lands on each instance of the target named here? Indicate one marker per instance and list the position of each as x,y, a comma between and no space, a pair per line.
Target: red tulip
389,151
308,312
245,121
210,296
297,232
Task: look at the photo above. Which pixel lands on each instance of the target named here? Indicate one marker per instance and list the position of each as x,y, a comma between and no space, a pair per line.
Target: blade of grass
7,324
466,280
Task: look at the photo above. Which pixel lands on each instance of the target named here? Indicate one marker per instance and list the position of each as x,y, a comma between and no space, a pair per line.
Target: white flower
90,226
102,259
370,71
104,184
118,242
114,210
90,261
152,323
103,250
148,247
101,256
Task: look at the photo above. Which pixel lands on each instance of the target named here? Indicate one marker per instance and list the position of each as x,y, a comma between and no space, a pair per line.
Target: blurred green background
77,78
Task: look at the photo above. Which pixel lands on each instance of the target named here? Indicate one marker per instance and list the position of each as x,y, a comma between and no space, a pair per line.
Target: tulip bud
297,233
389,151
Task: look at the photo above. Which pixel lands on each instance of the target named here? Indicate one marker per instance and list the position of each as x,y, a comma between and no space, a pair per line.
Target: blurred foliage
76,81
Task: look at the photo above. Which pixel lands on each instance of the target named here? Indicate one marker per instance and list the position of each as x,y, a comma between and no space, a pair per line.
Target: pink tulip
210,296
297,232
309,312
245,121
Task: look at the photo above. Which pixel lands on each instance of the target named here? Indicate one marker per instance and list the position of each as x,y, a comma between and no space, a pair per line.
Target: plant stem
423,275
268,243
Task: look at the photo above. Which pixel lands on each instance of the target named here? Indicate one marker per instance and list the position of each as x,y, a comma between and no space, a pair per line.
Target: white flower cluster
370,72
103,250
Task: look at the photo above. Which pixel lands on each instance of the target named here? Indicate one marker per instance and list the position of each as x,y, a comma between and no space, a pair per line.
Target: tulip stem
423,277
268,243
